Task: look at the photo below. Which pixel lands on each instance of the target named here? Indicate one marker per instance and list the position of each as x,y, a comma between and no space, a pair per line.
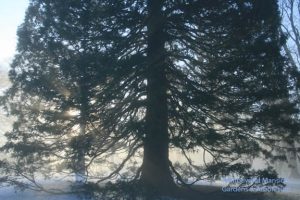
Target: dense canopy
94,77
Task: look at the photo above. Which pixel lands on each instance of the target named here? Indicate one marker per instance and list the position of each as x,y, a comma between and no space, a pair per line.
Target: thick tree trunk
155,169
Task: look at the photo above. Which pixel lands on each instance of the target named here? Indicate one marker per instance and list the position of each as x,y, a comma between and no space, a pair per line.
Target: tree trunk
80,173
155,169
80,169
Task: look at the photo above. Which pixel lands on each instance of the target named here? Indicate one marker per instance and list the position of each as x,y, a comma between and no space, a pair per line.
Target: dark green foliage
188,75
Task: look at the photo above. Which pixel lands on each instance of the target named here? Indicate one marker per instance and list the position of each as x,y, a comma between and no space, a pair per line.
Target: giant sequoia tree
153,75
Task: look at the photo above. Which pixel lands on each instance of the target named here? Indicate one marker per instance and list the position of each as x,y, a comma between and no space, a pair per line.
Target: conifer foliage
149,76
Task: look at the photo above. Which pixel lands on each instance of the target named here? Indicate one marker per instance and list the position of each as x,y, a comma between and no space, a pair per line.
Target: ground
206,191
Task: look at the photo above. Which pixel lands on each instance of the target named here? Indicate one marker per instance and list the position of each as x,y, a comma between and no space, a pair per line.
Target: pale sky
12,14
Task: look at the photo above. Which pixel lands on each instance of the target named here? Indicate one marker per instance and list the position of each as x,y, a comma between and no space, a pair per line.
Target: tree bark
155,168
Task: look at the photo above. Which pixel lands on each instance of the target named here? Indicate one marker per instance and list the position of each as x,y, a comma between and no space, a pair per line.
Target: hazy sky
11,16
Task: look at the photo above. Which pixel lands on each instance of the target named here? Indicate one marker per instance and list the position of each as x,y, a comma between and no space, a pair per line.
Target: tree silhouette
290,11
156,75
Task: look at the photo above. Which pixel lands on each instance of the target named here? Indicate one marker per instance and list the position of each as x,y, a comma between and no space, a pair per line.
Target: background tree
159,75
290,10
51,103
